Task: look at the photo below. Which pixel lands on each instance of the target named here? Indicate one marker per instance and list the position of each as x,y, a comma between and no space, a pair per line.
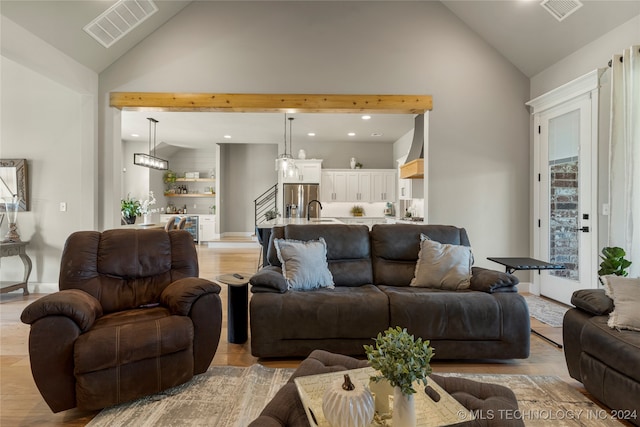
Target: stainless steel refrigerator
296,200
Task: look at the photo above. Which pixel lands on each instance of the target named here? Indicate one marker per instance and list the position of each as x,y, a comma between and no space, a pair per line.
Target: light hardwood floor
21,404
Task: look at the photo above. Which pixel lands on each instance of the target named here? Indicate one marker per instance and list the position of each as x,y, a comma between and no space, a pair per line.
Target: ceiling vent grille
119,20
560,9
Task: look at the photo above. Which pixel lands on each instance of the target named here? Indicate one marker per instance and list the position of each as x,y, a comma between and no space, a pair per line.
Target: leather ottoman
285,409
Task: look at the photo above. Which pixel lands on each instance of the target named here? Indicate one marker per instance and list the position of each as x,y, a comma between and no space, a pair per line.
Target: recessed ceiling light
311,134
366,117
135,135
351,134
227,136
376,134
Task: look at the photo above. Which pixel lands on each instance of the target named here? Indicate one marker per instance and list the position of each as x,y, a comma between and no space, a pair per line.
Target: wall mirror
14,181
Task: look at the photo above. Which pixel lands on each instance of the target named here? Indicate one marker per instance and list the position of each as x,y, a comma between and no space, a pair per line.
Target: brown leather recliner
132,318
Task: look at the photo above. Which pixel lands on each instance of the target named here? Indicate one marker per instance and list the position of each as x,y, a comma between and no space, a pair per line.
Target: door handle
584,229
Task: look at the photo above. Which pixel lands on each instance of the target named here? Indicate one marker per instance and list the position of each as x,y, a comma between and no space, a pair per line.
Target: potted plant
357,210
402,360
613,262
358,165
271,214
130,209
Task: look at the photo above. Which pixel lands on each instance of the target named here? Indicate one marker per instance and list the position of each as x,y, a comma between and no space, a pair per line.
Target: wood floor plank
22,405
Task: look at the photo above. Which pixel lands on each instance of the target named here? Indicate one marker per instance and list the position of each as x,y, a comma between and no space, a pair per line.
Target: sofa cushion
340,313
395,247
618,349
442,266
625,293
348,250
304,263
129,336
450,315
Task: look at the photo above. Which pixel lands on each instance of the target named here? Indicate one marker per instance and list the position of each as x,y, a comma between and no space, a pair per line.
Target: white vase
302,154
145,218
404,409
353,163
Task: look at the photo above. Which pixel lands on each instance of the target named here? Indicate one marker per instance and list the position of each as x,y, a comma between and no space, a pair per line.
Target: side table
520,263
16,249
237,306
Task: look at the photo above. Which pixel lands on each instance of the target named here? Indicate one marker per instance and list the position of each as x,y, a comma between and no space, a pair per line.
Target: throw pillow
442,265
625,293
304,263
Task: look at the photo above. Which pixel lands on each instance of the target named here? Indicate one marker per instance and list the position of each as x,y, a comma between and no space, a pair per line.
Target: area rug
232,396
224,396
546,311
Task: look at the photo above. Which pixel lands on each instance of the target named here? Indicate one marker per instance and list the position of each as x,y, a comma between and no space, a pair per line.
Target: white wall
478,157
594,55
48,117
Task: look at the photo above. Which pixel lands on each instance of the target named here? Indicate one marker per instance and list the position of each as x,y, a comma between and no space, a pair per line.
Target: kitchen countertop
285,221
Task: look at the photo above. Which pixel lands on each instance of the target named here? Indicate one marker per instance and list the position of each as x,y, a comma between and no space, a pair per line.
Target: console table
16,249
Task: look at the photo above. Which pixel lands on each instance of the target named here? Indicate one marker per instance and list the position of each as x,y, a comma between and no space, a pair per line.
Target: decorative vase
404,409
352,163
130,219
145,219
348,404
11,207
302,154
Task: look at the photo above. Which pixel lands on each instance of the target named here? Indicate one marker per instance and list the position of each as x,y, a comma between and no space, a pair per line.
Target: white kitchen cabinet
306,171
207,224
333,186
410,189
359,186
383,185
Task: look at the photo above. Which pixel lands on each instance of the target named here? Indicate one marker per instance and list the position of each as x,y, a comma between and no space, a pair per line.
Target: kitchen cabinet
411,189
207,226
306,171
383,186
359,186
333,186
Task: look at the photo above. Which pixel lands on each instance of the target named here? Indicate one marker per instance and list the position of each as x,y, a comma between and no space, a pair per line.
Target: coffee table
237,306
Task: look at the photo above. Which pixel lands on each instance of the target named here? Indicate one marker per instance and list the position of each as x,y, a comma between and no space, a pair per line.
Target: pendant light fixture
149,160
285,162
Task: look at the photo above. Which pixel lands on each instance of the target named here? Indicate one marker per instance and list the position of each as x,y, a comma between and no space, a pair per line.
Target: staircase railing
266,203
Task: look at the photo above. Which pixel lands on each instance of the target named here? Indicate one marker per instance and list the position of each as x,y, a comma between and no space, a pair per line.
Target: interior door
566,223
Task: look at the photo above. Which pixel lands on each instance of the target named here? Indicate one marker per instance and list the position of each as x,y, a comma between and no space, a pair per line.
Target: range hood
413,167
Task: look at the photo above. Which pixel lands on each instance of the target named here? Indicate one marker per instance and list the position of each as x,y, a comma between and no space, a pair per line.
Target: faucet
309,205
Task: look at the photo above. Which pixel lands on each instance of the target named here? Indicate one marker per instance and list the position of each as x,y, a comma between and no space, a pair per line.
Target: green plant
358,165
613,262
400,358
170,177
130,208
271,214
357,210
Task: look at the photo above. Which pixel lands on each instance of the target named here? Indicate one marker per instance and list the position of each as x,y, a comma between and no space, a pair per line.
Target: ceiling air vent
560,9
119,20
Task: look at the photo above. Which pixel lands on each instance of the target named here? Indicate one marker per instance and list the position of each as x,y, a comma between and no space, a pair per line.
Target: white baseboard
43,287
524,287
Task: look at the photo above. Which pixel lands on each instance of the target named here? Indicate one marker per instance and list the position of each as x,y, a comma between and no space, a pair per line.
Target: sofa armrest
180,295
593,301
490,281
75,304
268,279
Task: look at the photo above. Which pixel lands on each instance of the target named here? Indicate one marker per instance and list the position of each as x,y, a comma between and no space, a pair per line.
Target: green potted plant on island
130,209
613,262
357,210
402,360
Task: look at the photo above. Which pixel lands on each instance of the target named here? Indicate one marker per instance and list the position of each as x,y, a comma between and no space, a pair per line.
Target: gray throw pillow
625,293
442,266
304,263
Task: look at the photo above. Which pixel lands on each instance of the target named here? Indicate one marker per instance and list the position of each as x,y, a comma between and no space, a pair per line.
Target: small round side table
237,306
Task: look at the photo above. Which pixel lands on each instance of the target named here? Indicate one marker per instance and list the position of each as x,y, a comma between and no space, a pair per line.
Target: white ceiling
521,30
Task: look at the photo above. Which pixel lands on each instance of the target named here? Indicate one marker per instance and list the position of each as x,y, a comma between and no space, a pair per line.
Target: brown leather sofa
605,360
372,271
131,318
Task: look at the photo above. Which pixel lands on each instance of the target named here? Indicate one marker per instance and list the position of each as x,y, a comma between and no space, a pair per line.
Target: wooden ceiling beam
270,103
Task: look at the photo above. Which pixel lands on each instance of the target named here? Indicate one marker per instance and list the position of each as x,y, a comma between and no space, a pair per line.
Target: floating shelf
190,195
195,180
